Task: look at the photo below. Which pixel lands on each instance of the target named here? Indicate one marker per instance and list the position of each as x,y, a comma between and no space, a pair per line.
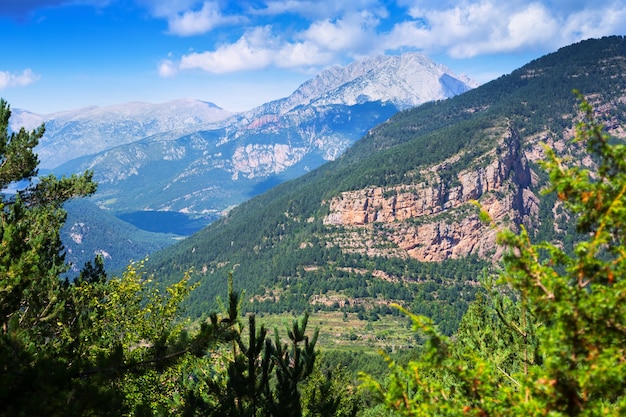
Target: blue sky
64,54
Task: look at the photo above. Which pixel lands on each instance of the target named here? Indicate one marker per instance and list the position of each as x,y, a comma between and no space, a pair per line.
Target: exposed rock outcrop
433,220
262,160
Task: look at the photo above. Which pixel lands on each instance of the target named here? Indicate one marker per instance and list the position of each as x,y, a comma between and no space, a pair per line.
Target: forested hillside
298,248
90,231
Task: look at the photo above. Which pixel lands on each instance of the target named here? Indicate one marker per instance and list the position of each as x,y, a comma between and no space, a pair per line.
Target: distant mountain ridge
212,166
189,157
75,133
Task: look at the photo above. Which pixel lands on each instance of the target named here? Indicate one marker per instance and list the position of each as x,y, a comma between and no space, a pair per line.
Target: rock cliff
433,219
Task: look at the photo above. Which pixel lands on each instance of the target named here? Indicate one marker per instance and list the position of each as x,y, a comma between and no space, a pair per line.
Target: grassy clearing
339,331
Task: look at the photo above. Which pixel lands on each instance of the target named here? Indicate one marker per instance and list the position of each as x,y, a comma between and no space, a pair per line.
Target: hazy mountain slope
204,173
391,219
227,162
74,133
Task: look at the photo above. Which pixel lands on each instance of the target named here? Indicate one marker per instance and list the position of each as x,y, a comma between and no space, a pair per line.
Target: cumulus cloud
167,68
202,21
353,32
594,22
26,77
470,28
254,50
308,34
321,43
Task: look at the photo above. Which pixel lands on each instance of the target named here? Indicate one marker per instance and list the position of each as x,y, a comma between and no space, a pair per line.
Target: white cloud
353,32
198,22
302,55
508,32
258,49
322,43
594,22
308,35
167,68
26,77
471,28
252,51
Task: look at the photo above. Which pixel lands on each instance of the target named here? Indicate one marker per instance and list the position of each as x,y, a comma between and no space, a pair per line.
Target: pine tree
31,262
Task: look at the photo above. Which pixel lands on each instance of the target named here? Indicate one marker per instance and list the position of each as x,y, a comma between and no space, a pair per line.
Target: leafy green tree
247,387
330,394
575,301
294,362
499,330
117,346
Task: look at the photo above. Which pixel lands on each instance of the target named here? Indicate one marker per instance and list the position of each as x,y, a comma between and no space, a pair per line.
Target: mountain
402,80
75,133
214,166
393,218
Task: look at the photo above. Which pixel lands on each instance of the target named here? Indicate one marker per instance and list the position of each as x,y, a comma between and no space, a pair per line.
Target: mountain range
193,157
174,167
393,218
75,133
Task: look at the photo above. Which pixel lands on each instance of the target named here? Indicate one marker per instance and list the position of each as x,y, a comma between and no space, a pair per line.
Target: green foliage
118,349
559,350
579,295
264,375
32,299
99,345
294,362
330,394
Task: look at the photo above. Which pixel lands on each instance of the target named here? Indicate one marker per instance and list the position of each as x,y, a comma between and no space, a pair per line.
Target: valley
295,208
192,161
394,216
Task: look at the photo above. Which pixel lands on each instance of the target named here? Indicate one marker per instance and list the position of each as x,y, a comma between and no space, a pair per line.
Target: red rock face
433,221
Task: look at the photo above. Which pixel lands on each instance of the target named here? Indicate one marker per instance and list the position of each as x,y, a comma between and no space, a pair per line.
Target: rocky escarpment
434,219
255,160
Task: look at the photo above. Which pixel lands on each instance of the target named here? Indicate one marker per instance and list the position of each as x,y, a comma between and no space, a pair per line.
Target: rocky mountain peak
208,159
402,80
